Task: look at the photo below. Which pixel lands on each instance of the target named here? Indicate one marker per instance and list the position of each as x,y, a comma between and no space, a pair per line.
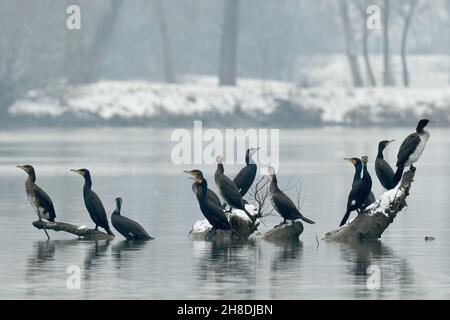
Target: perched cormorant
282,203
357,176
383,170
93,203
228,189
244,179
212,211
212,196
39,200
128,228
360,192
412,148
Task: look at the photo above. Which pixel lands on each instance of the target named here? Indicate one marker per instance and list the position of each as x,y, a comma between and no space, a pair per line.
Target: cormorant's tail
398,174
237,233
110,232
307,220
345,218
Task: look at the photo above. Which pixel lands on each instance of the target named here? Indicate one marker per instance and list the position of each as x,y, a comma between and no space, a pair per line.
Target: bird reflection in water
395,272
124,251
226,269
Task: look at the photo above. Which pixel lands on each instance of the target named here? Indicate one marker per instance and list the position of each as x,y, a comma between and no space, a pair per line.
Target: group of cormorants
233,191
43,205
361,195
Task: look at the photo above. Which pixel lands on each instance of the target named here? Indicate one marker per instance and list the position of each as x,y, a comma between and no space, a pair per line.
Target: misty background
227,62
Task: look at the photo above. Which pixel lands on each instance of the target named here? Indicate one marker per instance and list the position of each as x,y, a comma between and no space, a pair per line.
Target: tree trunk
169,74
87,234
406,27
100,42
388,79
350,45
362,8
229,42
371,224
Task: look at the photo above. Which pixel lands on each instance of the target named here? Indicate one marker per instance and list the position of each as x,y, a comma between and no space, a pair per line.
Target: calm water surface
135,164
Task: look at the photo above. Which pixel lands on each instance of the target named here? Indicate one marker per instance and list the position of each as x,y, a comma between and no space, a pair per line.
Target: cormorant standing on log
39,200
93,203
128,228
212,212
412,148
360,192
282,203
228,189
357,176
211,195
244,179
384,171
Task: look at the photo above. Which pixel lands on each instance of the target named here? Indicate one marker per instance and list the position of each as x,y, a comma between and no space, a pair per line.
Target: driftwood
371,224
85,233
286,232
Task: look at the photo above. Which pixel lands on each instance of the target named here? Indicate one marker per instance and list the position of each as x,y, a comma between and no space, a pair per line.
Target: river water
136,165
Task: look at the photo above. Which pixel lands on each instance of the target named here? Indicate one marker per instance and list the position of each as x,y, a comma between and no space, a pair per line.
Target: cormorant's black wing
244,179
230,192
385,174
285,206
407,148
215,215
213,197
45,202
96,209
130,229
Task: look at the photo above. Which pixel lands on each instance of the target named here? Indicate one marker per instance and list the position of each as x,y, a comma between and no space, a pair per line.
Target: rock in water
288,231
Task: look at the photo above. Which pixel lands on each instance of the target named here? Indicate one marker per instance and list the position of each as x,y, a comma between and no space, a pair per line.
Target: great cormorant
93,203
244,179
384,171
360,192
212,196
357,176
412,148
212,211
228,189
39,200
282,203
128,228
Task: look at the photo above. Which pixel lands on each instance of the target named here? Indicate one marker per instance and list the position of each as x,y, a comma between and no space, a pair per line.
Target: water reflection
396,274
95,256
226,269
124,250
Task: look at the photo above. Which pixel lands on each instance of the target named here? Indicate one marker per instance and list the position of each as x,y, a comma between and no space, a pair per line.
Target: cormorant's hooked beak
390,141
77,171
350,160
23,168
191,173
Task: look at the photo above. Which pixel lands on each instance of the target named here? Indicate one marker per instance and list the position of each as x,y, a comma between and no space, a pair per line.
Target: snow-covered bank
251,103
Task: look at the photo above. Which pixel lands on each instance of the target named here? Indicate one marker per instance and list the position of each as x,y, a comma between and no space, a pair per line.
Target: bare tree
229,44
362,6
350,44
406,11
169,73
388,79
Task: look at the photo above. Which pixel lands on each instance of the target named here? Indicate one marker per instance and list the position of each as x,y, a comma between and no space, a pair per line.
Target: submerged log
285,232
83,232
371,224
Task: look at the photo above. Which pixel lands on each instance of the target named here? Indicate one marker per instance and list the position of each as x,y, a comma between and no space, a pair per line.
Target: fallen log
371,224
83,232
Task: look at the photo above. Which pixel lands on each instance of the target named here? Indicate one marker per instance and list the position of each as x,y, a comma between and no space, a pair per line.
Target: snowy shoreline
251,103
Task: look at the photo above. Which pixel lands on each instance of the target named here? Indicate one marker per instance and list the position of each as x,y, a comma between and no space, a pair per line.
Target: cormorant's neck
365,171
87,182
358,170
201,191
380,152
220,168
274,183
32,177
249,160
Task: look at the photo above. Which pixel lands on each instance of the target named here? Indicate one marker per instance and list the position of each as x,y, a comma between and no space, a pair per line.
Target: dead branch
87,234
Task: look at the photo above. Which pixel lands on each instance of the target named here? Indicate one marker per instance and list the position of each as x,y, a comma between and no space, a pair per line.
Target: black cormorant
128,228
384,171
361,190
357,176
228,189
212,211
282,203
93,203
412,148
212,196
39,200
244,179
